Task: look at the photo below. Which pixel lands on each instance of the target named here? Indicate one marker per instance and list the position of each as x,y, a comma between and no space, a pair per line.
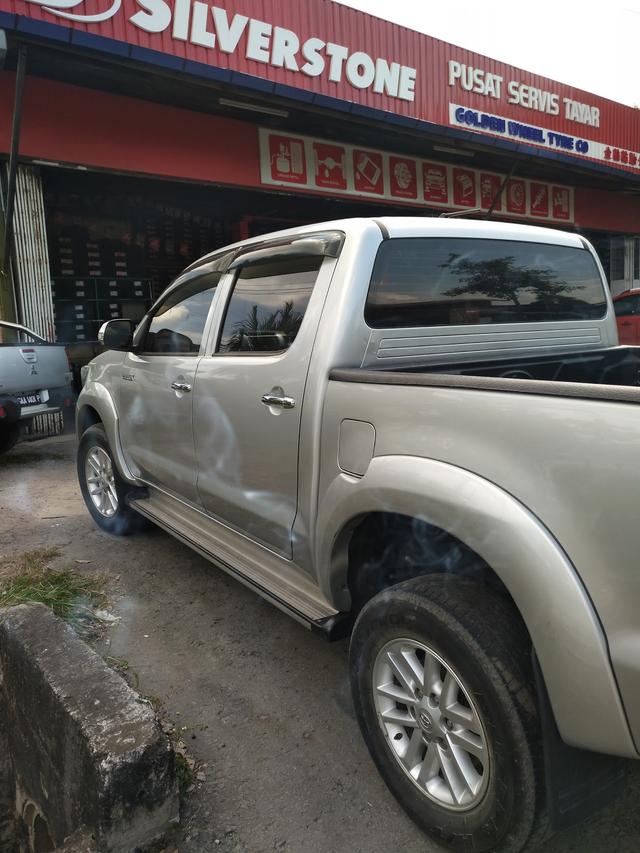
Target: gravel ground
262,705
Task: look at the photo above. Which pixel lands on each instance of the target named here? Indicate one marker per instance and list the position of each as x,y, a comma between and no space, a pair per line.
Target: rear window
444,281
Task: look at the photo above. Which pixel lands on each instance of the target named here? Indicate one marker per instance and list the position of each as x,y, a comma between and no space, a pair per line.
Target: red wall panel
609,211
71,124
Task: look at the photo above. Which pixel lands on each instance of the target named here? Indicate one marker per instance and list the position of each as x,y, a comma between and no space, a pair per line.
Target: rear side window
444,281
268,304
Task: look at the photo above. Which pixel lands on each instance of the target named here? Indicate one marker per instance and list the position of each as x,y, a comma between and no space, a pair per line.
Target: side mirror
116,334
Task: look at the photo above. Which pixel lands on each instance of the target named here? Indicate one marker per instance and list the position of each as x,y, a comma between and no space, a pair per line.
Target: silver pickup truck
422,433
35,379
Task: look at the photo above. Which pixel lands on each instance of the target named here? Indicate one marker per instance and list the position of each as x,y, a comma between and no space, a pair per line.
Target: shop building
153,131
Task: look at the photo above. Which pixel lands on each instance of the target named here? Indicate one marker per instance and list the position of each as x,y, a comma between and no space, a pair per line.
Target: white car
35,379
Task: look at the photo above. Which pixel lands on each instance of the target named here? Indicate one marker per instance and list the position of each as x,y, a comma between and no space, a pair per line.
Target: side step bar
271,577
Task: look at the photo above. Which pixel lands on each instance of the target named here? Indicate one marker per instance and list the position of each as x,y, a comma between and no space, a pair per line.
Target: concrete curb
85,753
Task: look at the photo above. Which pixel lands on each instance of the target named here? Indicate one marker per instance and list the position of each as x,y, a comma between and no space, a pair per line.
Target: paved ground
265,705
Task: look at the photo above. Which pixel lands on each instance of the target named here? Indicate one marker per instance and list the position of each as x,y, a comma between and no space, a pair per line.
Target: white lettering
181,10
285,46
407,87
387,78
455,72
513,88
199,32
258,40
466,78
361,72
338,54
529,97
478,81
155,19
547,102
475,79
493,85
314,66
228,34
189,20
582,113
533,98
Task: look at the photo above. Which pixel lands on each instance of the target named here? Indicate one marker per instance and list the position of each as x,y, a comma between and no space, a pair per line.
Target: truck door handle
274,400
180,386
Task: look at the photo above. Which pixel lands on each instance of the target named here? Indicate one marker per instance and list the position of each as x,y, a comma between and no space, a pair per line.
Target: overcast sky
592,45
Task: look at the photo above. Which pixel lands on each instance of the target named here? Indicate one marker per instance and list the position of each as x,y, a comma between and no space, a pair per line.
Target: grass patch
184,773
71,595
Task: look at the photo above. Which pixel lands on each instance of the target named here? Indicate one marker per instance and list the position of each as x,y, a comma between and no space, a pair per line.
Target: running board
269,575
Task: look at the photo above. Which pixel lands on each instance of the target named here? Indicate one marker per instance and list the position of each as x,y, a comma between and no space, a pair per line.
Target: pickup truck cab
422,433
35,379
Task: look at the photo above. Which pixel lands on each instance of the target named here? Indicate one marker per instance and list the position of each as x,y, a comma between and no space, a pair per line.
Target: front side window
267,305
178,324
444,281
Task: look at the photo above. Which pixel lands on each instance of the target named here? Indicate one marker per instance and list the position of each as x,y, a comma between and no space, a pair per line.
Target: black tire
481,637
125,520
9,435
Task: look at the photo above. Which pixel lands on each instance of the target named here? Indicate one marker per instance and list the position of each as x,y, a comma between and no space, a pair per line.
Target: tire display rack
82,305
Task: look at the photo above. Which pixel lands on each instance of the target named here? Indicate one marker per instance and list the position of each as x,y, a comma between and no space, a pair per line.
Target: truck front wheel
104,491
443,691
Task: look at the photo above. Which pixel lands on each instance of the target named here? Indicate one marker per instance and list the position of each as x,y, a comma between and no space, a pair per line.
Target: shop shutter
32,276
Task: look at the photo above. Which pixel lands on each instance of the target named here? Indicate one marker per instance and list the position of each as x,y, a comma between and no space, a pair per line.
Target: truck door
155,389
249,393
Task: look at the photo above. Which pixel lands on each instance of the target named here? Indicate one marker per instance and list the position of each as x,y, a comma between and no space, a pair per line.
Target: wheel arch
86,416
515,551
95,406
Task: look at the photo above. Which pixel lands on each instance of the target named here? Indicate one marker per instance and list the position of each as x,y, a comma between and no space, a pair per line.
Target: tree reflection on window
502,279
274,332
451,281
268,304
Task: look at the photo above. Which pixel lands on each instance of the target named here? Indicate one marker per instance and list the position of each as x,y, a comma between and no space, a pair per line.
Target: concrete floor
265,705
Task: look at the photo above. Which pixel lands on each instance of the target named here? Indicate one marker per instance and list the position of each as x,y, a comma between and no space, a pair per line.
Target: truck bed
608,374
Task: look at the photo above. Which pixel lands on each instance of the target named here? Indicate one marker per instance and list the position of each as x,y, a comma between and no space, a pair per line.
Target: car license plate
29,399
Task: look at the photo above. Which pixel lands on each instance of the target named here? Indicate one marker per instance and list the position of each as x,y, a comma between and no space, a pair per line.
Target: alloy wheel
432,725
99,476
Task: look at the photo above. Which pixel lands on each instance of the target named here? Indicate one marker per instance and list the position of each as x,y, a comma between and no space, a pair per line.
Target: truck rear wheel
104,491
443,691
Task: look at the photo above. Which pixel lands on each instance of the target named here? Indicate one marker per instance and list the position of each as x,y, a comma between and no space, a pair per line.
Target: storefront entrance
116,242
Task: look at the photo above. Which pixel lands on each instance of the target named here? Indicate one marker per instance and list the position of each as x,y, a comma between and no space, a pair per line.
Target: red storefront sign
403,177
539,199
391,177
489,189
368,172
287,159
332,50
516,193
464,188
561,203
330,165
436,183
